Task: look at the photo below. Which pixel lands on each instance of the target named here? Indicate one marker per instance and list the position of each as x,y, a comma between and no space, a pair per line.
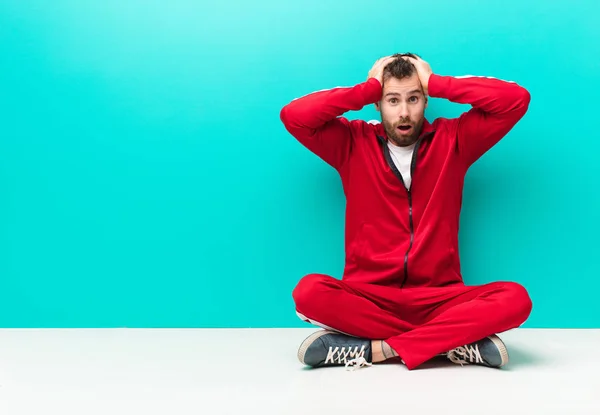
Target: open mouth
404,128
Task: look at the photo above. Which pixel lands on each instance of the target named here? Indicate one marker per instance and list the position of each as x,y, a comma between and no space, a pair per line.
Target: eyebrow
414,91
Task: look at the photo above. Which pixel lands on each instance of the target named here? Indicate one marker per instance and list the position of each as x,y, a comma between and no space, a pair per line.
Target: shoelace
465,355
357,363
353,358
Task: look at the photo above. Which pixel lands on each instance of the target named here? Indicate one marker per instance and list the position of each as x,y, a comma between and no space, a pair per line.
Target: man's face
402,109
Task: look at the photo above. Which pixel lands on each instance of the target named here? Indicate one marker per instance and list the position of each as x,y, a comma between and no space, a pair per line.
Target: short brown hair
399,68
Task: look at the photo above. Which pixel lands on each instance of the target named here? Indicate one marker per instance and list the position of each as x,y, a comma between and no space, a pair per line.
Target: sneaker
330,348
489,351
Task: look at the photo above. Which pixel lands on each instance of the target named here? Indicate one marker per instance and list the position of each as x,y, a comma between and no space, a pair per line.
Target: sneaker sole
308,341
501,348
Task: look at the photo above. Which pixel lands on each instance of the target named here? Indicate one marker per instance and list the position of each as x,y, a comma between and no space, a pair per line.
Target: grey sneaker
489,351
330,348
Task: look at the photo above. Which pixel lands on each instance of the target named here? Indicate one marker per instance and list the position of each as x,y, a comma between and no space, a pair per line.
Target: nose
403,110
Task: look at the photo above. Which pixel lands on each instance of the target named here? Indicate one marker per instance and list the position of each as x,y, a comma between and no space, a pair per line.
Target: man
402,294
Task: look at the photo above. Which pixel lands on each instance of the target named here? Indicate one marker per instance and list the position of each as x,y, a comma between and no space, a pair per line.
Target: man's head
403,102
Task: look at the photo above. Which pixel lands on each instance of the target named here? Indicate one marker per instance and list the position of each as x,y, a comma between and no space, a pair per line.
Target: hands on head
423,69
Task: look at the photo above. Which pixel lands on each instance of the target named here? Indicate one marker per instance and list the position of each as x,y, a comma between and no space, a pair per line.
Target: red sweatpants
418,323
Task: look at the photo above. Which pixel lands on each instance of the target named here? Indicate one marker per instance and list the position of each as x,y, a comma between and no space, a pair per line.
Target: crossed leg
418,323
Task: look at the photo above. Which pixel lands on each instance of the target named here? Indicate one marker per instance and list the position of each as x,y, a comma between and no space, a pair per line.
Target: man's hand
377,69
423,71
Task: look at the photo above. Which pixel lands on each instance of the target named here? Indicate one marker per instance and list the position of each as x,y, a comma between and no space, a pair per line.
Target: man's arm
497,106
315,119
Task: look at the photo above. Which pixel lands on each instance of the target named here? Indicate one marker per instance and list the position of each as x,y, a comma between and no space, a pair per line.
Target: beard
403,139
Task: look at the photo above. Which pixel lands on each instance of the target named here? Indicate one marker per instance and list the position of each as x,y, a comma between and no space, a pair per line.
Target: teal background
146,179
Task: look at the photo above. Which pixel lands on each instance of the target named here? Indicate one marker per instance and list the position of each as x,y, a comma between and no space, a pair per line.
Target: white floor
133,371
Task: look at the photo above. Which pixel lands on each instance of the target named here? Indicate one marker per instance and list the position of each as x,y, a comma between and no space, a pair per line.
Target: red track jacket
394,236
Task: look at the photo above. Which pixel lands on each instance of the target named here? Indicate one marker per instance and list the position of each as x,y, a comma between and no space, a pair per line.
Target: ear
426,101
377,106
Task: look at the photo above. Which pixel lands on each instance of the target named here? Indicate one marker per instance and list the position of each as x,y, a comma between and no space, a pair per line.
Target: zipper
412,236
410,213
388,158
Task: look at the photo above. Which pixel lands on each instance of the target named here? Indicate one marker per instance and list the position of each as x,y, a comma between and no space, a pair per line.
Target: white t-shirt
402,157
